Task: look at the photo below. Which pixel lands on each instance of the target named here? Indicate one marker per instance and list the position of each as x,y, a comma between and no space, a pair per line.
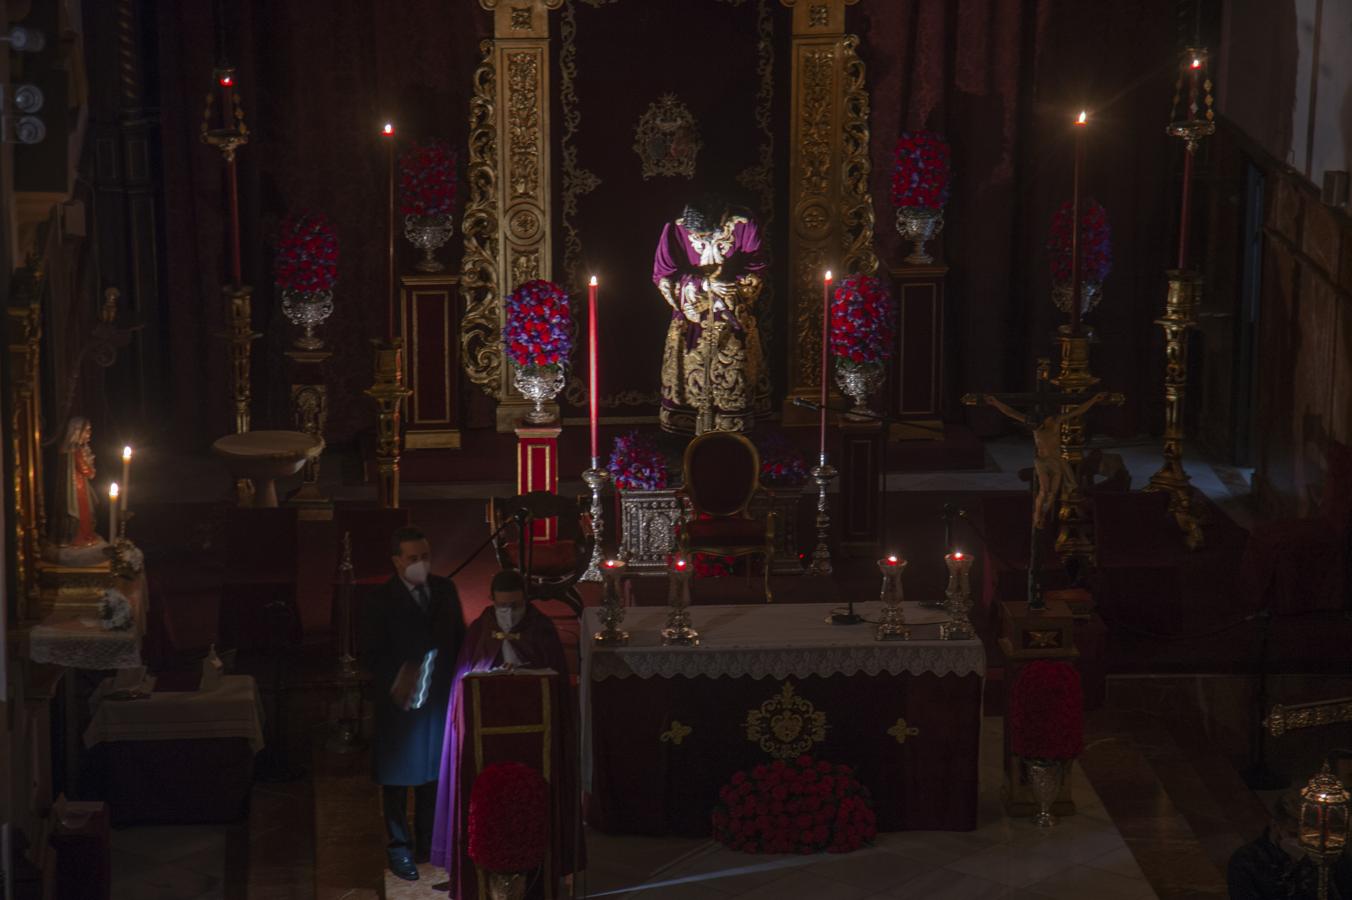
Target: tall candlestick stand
1184,290
677,630
389,393
958,597
822,474
595,478
344,733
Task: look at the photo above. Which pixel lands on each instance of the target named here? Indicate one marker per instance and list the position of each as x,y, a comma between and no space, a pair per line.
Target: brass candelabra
1172,478
389,393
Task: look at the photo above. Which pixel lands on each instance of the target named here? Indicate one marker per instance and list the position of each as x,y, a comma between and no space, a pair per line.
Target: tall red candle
1075,286
1185,207
388,133
226,79
591,370
826,333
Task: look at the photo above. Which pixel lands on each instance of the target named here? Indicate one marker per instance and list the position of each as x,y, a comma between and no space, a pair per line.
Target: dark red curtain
317,79
1000,77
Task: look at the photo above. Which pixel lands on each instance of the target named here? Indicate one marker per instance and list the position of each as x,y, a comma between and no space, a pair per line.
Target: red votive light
957,554
891,560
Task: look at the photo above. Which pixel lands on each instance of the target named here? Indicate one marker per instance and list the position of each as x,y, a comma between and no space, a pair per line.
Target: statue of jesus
708,267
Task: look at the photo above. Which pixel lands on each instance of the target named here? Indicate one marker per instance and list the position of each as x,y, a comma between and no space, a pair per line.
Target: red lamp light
388,130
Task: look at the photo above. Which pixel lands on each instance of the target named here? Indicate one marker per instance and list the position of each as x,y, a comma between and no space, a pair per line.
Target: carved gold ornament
667,139
677,733
901,731
786,725
480,329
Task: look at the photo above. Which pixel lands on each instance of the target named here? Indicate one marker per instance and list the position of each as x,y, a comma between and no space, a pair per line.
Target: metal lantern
1323,822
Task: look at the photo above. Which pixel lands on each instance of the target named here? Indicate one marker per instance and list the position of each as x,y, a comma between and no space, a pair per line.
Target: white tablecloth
777,641
233,709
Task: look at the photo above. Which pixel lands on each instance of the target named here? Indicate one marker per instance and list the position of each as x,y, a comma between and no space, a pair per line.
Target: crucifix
1054,418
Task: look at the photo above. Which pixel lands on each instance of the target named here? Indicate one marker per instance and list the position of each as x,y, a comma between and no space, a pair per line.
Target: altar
665,727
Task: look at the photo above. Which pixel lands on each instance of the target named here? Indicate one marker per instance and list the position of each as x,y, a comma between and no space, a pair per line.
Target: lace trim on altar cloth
108,650
965,658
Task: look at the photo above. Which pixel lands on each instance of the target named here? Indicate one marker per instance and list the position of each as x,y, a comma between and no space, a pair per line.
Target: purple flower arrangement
863,321
427,179
922,172
538,333
1096,247
782,465
636,463
307,254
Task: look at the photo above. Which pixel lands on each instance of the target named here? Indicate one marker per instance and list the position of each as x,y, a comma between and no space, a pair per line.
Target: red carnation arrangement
427,184
1046,712
538,333
796,806
307,254
1096,250
863,321
922,172
508,818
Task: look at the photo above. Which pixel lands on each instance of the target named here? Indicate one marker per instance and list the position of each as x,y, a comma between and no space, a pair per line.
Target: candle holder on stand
892,626
612,610
821,554
678,631
595,478
958,598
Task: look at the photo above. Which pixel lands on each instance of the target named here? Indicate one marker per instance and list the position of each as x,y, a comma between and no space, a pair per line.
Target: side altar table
665,727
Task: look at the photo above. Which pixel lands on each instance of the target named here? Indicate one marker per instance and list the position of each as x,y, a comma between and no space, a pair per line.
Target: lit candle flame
126,454
1196,63
610,564
892,560
227,80
828,274
113,490
1083,119
957,554
680,564
593,281
388,130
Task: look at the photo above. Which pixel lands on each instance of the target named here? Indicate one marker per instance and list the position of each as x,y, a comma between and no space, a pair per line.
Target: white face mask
416,573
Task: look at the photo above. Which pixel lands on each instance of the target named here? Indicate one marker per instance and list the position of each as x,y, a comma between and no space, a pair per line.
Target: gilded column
828,180
24,338
516,71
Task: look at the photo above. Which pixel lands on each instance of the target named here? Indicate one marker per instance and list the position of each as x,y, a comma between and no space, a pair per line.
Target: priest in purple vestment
510,634
709,268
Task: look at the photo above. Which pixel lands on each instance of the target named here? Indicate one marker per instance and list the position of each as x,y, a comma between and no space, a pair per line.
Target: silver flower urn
428,234
860,381
919,224
1090,292
307,310
539,386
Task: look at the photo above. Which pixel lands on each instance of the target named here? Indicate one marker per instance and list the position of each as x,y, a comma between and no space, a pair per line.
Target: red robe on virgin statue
535,643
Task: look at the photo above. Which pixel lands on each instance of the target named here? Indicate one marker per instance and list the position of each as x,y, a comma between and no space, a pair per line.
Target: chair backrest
371,528
722,473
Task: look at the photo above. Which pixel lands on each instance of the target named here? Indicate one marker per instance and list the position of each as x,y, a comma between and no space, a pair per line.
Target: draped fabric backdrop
1001,78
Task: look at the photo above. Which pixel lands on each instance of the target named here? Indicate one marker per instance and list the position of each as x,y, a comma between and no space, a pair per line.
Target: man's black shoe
401,864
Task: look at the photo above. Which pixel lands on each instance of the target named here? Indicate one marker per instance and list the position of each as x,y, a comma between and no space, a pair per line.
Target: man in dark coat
511,633
412,634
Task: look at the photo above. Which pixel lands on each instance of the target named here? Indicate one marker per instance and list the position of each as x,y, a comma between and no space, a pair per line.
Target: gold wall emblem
677,733
786,725
901,731
667,139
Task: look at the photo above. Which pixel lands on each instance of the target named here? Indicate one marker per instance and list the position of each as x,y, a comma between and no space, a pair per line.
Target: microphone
804,403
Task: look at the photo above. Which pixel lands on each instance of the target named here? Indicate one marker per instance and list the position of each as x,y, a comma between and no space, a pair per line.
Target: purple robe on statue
688,268
536,647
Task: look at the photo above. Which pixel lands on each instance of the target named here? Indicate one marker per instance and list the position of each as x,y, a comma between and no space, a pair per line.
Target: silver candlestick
892,625
821,555
958,597
596,478
677,630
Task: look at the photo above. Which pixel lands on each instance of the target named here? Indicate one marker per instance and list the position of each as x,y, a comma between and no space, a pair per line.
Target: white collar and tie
508,618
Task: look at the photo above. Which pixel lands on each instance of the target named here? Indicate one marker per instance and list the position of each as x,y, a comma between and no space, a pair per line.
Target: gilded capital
520,18
818,17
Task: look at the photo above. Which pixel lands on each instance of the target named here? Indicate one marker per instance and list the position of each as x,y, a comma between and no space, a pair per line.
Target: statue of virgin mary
708,267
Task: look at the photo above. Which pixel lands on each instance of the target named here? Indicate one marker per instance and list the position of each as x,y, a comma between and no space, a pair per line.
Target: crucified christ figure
1054,474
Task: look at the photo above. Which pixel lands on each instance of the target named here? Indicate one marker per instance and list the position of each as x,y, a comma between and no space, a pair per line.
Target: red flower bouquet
782,465
427,184
307,254
795,806
508,818
1046,712
637,464
538,333
1096,250
863,321
922,172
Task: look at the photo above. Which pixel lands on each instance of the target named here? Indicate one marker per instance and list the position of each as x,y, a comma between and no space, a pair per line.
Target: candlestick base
595,479
845,618
821,554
